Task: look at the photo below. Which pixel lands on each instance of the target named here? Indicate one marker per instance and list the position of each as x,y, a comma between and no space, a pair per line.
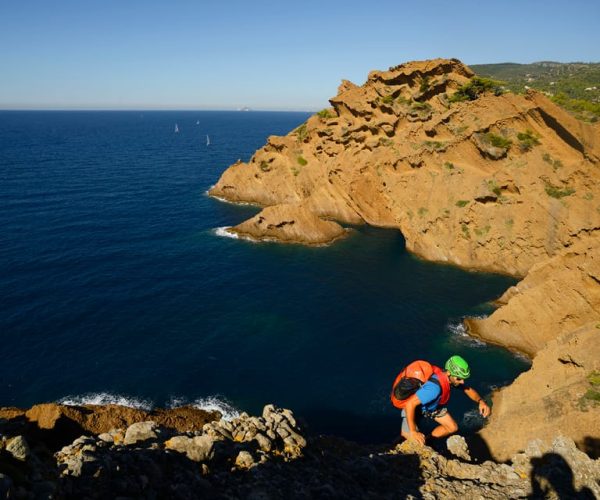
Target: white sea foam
225,200
210,403
224,233
105,398
458,330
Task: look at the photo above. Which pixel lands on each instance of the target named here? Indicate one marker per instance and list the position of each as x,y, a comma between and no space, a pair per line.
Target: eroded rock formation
498,182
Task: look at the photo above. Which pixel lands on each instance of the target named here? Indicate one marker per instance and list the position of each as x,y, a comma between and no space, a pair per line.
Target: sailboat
197,122
176,129
207,140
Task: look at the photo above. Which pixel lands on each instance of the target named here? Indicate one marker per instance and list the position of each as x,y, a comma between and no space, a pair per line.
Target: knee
451,427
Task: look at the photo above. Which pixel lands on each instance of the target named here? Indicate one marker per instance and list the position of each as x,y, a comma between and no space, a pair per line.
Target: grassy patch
527,140
556,192
448,165
493,187
465,230
482,231
555,164
324,113
295,171
462,203
498,141
301,132
592,395
434,145
301,161
422,211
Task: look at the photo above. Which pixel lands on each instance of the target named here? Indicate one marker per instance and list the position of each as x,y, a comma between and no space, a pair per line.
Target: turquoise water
116,287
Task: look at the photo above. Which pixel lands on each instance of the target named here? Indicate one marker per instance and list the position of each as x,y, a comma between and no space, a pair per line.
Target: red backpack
413,377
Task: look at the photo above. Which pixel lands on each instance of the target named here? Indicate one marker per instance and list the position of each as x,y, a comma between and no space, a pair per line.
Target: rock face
223,461
288,223
505,183
396,153
557,296
68,422
556,396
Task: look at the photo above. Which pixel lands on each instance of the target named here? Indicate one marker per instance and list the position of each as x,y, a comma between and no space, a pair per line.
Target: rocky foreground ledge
259,457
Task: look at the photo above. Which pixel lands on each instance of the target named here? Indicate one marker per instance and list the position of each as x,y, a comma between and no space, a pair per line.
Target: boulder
458,447
18,448
141,431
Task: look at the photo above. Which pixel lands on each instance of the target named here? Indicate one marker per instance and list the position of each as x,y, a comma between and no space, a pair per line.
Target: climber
424,385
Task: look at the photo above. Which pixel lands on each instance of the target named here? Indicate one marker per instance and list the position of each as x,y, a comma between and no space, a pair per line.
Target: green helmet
458,367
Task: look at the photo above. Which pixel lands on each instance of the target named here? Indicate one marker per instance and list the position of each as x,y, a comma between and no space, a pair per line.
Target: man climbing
424,385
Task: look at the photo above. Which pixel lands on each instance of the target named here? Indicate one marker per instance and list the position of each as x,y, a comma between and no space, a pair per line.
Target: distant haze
262,54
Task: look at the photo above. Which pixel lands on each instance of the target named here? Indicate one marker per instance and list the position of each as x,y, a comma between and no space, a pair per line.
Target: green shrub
421,106
527,140
493,187
476,87
449,165
483,231
556,164
424,87
301,161
422,211
462,203
295,171
465,230
434,145
301,132
498,141
558,193
324,113
388,99
264,166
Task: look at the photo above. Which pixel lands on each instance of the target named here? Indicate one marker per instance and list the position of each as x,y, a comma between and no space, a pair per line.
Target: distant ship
207,140
176,129
244,109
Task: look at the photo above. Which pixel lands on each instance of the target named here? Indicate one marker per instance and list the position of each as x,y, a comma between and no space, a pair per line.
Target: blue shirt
429,394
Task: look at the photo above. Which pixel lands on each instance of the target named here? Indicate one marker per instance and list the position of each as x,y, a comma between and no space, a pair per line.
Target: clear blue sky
224,54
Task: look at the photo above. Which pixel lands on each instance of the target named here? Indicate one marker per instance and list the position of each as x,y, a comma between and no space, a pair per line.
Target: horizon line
233,110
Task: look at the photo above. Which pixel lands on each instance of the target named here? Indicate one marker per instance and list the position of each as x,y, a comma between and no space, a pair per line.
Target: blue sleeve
429,393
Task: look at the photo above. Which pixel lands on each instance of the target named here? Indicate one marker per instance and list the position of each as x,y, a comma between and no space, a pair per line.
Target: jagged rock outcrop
64,423
503,182
498,183
289,223
227,460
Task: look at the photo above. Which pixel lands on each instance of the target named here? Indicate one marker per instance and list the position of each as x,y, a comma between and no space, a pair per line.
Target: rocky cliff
471,176
254,457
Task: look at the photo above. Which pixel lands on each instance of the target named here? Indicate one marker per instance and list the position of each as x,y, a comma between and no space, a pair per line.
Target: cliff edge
471,176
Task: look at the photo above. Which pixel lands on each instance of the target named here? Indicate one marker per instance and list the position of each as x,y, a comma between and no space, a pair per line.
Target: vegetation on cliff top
574,86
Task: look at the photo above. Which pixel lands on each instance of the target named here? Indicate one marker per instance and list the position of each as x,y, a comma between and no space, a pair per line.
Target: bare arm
410,410
484,409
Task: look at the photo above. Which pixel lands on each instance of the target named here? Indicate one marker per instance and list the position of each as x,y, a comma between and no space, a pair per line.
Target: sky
263,54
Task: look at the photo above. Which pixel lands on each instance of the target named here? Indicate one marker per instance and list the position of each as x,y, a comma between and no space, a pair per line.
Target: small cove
115,281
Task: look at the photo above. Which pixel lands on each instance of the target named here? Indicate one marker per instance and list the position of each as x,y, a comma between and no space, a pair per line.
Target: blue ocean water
114,283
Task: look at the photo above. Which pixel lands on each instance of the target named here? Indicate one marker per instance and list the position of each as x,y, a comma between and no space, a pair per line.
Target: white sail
207,140
176,128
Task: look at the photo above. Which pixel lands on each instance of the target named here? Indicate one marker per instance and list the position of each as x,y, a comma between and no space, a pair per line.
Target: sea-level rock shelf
472,176
266,457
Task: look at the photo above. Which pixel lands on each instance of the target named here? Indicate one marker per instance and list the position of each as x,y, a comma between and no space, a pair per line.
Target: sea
119,284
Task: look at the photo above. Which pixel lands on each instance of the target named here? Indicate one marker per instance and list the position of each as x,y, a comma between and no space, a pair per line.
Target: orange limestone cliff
471,176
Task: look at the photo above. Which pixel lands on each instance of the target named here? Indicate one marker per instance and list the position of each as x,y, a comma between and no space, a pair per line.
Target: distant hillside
574,86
